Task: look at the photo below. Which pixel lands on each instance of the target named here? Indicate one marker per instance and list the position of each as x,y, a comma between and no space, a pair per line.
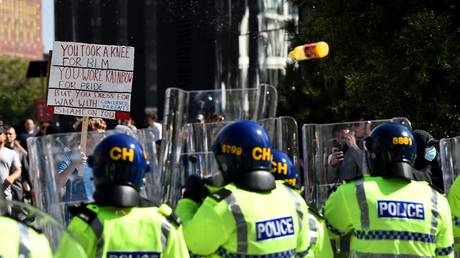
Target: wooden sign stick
84,136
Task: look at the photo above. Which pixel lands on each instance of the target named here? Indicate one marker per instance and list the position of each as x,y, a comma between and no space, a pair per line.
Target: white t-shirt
156,129
9,159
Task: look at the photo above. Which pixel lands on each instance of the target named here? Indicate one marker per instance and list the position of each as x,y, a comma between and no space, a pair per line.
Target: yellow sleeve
338,218
176,244
84,234
305,234
322,248
444,237
40,246
203,226
454,202
69,245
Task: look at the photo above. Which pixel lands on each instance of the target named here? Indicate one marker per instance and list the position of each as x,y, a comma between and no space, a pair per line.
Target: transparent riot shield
29,232
192,120
57,179
334,153
283,132
198,158
449,149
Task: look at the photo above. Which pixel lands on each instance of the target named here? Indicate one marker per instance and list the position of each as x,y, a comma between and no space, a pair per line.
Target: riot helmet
206,108
391,151
283,168
119,166
243,153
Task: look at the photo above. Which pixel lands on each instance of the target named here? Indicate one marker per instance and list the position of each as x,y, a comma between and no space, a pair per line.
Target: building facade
190,44
20,29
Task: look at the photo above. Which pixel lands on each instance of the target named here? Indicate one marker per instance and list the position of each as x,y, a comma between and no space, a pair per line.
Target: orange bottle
310,51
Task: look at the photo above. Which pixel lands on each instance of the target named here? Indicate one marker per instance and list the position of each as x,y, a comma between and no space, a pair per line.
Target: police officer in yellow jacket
18,239
284,170
454,202
252,215
116,224
24,237
388,214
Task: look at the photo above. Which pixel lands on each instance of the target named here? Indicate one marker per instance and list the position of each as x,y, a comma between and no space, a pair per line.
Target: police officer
252,215
284,170
388,213
454,202
206,108
115,225
19,240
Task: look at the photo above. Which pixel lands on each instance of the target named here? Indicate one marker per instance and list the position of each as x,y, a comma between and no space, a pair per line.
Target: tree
17,93
397,58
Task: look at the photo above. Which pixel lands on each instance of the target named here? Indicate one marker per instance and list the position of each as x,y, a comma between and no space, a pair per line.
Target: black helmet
391,151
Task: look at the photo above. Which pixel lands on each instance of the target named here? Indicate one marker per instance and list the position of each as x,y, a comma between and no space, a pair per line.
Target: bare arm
62,177
14,175
19,146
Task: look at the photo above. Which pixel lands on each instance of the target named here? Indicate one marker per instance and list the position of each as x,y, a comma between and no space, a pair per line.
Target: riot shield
449,149
283,132
334,153
55,170
197,157
192,120
33,233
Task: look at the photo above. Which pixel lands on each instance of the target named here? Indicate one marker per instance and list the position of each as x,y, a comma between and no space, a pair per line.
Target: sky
47,24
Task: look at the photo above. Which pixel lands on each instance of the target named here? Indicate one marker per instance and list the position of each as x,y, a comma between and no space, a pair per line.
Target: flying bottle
310,51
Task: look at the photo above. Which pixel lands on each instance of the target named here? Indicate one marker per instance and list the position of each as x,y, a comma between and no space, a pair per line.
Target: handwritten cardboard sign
91,80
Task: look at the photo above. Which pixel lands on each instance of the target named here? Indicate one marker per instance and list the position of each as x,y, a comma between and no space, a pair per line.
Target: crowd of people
257,209
14,155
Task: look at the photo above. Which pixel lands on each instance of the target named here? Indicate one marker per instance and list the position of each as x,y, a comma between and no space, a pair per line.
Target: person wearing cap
426,163
10,166
388,213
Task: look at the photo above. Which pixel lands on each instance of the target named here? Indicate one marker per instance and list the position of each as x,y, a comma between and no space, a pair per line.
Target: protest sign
91,80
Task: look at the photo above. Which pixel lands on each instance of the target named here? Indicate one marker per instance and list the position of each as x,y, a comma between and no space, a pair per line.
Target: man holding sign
79,186
87,80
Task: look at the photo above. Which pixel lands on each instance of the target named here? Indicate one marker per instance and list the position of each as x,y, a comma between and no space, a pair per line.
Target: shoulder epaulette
166,211
221,194
148,203
83,212
297,188
436,188
28,222
315,213
353,179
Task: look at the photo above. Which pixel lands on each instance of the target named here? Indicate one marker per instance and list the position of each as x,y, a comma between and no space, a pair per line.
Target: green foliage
396,58
17,93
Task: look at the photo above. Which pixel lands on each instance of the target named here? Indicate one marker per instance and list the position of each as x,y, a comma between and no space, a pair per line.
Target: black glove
195,189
